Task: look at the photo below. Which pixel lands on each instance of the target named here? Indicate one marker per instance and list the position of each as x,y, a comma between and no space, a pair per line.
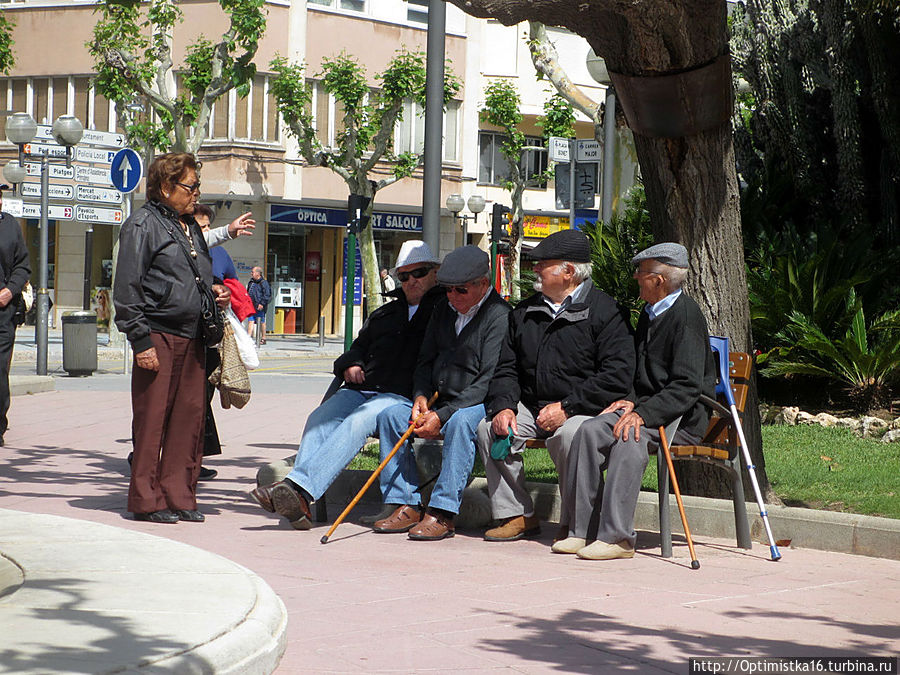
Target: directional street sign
588,150
54,212
559,149
90,174
56,170
55,191
89,137
44,149
126,170
90,193
95,214
94,155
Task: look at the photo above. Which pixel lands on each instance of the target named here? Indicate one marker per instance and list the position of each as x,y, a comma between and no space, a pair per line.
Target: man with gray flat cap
457,360
567,355
674,367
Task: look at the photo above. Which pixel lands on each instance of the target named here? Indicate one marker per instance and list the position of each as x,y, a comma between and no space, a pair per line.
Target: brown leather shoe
433,527
513,529
401,520
288,502
263,496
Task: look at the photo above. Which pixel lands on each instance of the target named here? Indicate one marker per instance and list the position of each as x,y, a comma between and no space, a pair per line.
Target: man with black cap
567,355
457,360
16,270
674,367
377,372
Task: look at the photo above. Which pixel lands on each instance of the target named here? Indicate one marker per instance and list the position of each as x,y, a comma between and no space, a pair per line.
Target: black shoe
207,474
2,442
164,516
192,515
130,457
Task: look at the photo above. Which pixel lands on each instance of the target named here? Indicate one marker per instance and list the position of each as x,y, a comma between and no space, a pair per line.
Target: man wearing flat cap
457,360
674,367
377,372
567,355
16,270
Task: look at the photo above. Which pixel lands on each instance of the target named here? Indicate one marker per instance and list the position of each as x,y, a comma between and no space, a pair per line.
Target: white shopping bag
244,342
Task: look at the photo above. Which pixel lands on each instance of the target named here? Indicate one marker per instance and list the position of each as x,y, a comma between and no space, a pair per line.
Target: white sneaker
600,550
569,545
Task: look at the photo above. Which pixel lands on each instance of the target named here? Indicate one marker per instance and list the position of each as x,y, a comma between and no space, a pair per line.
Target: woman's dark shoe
164,516
207,474
192,515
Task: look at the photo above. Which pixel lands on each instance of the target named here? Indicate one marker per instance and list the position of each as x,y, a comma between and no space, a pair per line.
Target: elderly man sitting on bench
675,366
568,354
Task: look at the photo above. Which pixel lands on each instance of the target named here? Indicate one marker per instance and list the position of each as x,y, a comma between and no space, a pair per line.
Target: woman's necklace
187,233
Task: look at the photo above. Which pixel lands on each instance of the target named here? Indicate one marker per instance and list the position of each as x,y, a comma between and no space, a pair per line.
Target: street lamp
597,69
455,204
67,131
14,174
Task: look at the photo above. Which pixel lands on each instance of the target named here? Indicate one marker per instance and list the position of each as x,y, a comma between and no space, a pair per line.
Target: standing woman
158,308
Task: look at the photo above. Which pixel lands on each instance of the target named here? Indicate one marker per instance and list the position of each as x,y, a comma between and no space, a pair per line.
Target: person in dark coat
261,293
15,268
457,361
377,372
568,353
675,365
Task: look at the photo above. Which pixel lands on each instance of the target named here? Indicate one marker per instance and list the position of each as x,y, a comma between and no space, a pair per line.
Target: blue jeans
400,478
334,433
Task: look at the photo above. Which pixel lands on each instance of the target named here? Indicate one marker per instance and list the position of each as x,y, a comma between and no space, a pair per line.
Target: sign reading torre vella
315,216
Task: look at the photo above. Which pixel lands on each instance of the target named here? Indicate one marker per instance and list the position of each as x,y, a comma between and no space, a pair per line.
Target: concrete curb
19,385
805,528
125,601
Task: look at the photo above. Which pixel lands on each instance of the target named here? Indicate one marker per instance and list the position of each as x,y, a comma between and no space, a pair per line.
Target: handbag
212,322
230,376
245,345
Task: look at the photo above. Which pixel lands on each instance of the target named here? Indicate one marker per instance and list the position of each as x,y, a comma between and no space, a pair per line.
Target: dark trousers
211,444
168,408
7,340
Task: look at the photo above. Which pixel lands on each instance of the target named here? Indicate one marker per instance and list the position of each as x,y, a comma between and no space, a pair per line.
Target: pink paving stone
369,603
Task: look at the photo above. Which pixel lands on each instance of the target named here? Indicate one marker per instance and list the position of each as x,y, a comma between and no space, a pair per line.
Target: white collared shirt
555,307
462,320
658,308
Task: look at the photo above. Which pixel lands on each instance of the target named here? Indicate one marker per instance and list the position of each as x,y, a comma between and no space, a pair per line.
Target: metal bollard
321,331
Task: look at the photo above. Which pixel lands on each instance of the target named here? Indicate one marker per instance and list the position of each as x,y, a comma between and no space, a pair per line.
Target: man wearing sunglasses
568,354
457,361
377,372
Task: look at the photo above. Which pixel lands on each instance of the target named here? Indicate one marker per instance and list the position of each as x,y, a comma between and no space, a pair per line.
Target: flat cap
668,253
568,245
463,264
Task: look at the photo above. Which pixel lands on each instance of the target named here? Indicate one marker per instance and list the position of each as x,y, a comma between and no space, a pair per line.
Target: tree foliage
132,50
366,132
7,58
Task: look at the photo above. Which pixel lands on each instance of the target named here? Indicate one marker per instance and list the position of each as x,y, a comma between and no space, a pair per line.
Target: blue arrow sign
126,170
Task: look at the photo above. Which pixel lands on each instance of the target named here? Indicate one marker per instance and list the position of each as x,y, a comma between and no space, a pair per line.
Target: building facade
250,163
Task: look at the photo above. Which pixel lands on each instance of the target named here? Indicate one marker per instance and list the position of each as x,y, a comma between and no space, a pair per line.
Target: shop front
305,261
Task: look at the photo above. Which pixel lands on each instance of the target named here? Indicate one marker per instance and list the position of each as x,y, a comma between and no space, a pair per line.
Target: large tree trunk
691,182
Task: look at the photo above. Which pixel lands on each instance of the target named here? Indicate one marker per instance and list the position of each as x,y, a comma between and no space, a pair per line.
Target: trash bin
79,332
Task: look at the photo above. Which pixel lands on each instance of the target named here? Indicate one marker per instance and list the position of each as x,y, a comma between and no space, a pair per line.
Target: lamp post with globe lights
21,130
14,174
455,204
597,69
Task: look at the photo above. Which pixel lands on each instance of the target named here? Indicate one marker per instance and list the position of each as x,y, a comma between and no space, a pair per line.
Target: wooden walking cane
377,472
695,564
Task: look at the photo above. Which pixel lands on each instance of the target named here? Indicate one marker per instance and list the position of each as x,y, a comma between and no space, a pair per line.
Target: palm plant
865,360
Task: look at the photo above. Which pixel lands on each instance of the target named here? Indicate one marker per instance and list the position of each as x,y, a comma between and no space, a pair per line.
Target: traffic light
354,203
499,222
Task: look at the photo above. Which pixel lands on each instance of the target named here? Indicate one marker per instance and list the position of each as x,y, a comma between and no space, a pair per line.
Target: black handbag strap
200,283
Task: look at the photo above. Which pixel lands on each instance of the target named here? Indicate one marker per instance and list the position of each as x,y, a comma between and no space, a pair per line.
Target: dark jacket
460,367
14,266
260,292
387,345
155,288
674,366
583,358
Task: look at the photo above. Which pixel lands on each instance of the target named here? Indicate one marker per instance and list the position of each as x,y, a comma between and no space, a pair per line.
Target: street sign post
558,149
587,150
126,170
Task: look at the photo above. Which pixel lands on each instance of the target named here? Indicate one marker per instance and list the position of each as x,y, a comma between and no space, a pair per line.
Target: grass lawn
808,466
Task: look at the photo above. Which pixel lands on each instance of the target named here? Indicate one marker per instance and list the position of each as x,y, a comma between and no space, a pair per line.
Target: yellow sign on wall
538,227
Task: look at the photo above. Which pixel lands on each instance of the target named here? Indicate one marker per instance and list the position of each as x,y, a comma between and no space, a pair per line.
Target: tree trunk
690,182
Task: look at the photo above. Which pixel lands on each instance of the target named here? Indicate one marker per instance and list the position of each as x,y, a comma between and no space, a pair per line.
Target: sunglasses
190,188
417,273
459,290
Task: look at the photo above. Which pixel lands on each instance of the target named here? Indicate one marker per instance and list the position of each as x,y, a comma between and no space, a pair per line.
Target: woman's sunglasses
459,290
417,273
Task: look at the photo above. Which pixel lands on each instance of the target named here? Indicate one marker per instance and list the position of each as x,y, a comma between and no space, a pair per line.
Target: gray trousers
506,478
605,511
